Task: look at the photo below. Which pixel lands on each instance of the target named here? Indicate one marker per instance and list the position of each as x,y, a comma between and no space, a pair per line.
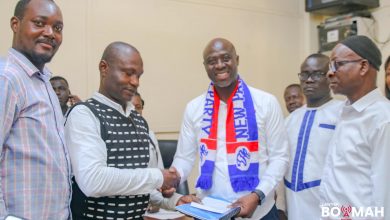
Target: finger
196,199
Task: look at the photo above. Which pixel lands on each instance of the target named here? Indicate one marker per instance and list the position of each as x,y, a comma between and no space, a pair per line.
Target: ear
365,67
103,68
14,23
238,60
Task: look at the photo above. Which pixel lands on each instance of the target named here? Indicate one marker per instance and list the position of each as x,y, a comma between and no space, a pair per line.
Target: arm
187,146
277,149
89,161
8,112
380,166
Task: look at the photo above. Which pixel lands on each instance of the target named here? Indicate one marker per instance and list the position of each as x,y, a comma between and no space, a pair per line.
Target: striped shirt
34,162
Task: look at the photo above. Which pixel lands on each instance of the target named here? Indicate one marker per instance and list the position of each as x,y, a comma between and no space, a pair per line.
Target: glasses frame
311,75
334,65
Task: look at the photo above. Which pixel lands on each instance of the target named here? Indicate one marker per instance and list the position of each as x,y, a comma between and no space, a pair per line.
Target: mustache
49,41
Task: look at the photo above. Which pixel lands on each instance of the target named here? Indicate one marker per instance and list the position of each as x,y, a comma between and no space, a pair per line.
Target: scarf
241,139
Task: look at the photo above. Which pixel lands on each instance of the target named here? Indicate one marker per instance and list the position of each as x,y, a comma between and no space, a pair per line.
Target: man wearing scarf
238,133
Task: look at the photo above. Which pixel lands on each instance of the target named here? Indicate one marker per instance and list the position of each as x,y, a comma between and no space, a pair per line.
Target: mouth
47,44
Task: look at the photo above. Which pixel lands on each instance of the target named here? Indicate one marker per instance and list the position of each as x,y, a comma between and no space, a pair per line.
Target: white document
212,205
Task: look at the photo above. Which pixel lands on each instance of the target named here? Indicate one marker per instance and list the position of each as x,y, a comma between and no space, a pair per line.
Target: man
240,136
293,97
61,88
109,144
357,168
310,129
35,169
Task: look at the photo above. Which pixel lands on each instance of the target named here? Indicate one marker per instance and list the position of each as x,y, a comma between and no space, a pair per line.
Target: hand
168,193
171,179
73,99
248,205
188,199
282,215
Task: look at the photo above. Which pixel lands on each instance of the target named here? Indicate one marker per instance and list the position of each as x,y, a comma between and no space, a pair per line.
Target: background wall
272,38
171,36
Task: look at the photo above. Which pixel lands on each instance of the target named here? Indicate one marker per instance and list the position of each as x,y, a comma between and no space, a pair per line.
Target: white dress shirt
88,155
309,132
357,167
273,148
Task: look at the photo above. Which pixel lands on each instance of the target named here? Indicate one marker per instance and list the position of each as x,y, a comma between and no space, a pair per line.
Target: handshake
171,181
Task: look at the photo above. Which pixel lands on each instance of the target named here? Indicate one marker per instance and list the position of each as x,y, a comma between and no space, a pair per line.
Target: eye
226,58
38,23
211,62
58,28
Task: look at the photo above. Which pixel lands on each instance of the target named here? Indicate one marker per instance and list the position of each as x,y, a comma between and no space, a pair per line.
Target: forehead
136,100
127,58
58,83
313,63
43,8
340,51
218,48
292,91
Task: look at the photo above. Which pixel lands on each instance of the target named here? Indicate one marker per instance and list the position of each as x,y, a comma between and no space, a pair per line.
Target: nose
330,73
220,64
134,80
48,31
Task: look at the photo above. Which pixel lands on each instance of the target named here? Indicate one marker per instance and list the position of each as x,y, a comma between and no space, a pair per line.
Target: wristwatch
260,194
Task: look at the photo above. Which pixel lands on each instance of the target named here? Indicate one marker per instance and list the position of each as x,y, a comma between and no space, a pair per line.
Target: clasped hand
171,181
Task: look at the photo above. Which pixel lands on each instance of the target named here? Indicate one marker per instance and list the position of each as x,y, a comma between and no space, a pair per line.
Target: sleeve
277,148
8,113
381,168
187,146
89,161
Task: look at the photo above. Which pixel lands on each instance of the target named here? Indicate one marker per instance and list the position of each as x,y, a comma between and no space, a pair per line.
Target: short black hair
294,85
20,8
59,78
387,89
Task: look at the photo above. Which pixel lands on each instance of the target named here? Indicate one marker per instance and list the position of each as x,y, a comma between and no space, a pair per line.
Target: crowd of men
64,158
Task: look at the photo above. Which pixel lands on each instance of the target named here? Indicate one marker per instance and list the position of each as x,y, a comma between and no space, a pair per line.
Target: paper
164,214
212,205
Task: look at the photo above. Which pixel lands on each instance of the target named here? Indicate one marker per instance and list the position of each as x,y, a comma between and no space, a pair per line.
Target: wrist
260,195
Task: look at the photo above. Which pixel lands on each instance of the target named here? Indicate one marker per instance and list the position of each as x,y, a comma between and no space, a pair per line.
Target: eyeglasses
334,65
316,75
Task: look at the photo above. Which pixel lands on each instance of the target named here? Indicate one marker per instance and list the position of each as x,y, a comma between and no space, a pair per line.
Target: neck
318,102
64,108
224,93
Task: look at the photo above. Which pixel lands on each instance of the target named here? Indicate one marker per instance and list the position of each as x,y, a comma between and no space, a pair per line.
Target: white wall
171,35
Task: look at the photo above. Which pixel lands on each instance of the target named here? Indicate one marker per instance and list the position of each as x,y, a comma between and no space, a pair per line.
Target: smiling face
220,61
38,34
293,97
120,74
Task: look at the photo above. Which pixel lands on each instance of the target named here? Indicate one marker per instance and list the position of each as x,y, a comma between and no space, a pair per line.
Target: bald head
218,44
115,49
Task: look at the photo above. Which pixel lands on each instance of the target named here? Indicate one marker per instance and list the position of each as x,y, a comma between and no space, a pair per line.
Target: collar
105,100
28,67
366,100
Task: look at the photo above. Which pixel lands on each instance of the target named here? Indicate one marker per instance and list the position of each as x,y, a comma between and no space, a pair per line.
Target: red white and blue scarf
241,139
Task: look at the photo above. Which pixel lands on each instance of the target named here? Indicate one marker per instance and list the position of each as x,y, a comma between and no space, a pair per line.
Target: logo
348,212
243,158
203,153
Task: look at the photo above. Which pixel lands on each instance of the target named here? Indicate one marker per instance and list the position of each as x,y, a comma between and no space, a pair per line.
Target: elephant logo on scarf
242,158
203,153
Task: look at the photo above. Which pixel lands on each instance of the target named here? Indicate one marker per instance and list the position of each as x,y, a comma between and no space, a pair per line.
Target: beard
39,59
